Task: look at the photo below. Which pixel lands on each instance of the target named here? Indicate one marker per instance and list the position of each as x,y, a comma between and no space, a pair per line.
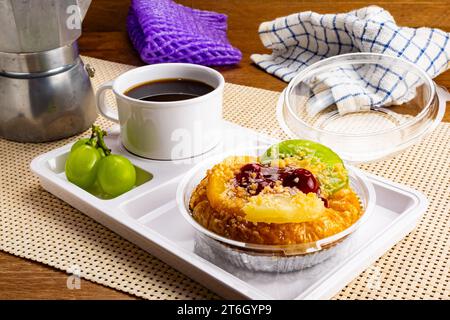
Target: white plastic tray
148,216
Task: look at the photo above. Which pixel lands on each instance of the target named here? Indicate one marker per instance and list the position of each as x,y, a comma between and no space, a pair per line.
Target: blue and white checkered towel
302,39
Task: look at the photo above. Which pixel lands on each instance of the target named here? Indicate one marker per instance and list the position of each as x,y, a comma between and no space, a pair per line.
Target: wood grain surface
104,36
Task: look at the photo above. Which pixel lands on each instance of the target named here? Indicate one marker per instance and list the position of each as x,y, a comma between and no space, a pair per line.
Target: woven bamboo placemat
38,226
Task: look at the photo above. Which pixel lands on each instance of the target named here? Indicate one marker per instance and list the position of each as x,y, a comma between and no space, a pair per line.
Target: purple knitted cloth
164,31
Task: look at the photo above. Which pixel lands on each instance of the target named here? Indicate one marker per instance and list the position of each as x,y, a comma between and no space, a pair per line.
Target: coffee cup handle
102,108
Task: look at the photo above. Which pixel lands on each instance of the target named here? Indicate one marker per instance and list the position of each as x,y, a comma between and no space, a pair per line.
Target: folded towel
302,39
164,31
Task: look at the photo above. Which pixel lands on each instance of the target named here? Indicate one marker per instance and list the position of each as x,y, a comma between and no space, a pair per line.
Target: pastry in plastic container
279,209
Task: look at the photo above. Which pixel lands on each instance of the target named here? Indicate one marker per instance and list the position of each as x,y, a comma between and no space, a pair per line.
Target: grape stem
96,139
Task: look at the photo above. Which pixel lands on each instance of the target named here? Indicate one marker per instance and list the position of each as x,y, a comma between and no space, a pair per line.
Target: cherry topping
261,185
249,173
302,179
251,167
263,176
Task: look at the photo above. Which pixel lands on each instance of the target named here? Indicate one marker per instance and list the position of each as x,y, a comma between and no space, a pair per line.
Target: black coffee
169,90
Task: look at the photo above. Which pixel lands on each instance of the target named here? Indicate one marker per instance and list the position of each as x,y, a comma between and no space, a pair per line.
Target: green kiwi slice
332,179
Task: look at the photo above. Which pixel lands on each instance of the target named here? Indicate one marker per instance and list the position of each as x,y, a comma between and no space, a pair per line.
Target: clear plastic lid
364,106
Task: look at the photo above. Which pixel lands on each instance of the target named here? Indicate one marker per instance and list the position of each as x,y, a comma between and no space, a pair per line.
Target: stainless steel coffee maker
45,89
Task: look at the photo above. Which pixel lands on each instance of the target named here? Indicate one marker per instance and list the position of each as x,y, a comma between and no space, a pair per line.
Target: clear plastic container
362,130
270,258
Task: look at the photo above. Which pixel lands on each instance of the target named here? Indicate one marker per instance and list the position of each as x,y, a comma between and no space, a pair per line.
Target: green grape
116,175
82,164
91,166
79,143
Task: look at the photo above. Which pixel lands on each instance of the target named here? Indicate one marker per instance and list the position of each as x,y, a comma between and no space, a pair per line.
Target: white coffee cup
170,130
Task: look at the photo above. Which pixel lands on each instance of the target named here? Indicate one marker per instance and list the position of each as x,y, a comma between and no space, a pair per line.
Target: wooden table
104,36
